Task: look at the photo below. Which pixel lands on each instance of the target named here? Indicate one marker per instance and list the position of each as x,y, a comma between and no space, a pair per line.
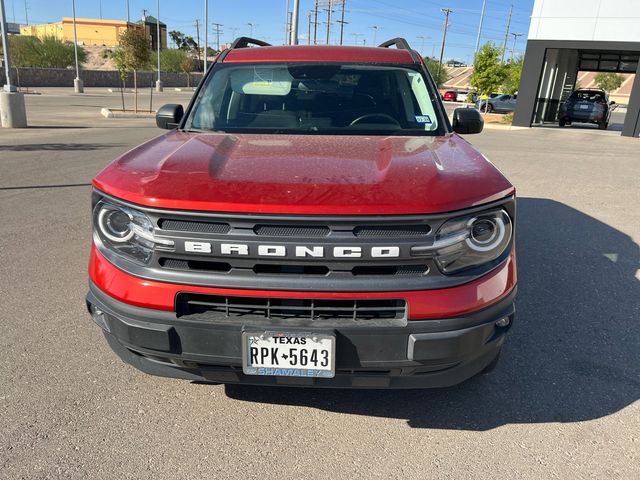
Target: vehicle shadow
572,354
71,147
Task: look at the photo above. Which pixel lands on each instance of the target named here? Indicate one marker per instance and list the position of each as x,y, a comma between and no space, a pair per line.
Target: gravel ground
563,403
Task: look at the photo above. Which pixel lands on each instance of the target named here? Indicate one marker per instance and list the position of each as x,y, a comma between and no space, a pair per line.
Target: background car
586,106
465,96
450,96
499,104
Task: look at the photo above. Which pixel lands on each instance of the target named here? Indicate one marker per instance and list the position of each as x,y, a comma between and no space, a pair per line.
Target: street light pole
12,110
78,86
484,4
423,38
515,38
159,46
294,23
128,16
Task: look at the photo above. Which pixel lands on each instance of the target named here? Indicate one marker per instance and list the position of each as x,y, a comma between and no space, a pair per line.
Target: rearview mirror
169,116
467,121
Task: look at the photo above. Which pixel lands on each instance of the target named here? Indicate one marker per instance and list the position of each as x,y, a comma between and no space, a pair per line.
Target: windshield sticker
423,119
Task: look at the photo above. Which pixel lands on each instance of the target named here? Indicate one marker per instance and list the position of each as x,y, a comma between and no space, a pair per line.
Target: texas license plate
287,354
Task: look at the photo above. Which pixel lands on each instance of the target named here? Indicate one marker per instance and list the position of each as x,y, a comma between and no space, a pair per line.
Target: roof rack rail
244,42
399,43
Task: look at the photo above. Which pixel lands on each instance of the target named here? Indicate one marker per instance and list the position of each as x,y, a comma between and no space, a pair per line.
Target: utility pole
315,24
26,12
515,38
423,38
100,8
128,16
287,30
375,33
342,22
506,35
206,33
217,32
233,33
159,45
197,25
356,36
309,33
329,11
484,5
295,19
78,86
447,12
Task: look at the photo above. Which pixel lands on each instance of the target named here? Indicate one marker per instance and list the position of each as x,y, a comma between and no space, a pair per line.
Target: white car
463,96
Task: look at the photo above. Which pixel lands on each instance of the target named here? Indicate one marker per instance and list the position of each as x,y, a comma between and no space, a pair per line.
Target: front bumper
423,353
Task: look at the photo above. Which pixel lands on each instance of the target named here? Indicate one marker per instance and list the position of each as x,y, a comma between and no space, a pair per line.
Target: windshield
311,98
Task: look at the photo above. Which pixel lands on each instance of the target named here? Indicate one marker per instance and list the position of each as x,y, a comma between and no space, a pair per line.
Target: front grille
392,231
290,308
197,227
303,231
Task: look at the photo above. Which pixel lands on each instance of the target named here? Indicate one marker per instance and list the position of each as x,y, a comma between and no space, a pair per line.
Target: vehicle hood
304,174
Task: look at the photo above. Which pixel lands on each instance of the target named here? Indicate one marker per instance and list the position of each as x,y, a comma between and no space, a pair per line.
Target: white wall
599,20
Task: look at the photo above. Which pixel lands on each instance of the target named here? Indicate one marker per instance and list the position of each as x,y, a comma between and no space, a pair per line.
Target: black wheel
492,365
603,125
489,108
562,122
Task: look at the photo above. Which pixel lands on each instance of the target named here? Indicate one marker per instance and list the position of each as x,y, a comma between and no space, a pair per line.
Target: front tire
489,108
603,125
562,122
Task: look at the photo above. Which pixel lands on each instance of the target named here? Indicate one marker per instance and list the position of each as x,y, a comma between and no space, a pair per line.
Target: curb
108,113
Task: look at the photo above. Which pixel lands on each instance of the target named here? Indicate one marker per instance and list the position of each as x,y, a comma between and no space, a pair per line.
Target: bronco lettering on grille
300,251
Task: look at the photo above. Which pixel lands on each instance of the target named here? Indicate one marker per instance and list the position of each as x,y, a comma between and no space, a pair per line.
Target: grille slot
196,227
376,270
302,231
391,231
178,264
289,308
271,269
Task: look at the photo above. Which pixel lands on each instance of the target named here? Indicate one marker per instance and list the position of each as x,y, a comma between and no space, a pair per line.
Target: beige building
91,31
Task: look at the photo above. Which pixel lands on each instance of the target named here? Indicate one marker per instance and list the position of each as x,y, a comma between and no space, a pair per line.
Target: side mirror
467,121
169,116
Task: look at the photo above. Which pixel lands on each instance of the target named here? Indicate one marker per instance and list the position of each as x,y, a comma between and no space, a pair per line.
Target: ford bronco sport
312,218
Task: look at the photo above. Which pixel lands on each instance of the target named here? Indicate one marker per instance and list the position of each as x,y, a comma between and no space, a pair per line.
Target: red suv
312,218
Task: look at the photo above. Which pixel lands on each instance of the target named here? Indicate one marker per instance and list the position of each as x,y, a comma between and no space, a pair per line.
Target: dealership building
571,36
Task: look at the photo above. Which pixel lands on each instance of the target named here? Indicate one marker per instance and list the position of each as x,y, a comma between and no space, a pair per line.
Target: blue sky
407,18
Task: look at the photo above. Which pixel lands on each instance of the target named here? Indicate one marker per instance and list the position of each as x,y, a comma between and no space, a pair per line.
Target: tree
135,54
171,59
488,72
514,73
118,59
182,41
437,71
48,52
608,81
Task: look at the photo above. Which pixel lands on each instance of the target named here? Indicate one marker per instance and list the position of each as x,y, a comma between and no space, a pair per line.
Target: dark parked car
499,104
586,106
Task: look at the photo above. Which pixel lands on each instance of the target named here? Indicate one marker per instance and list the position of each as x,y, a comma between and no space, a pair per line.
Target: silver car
499,104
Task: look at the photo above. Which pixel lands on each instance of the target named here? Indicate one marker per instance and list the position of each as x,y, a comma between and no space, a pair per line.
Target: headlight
469,241
126,231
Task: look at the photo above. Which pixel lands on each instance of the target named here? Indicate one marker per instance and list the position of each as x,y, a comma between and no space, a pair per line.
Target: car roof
320,54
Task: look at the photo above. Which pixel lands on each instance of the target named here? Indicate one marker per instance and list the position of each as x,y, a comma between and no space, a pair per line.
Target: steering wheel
374,115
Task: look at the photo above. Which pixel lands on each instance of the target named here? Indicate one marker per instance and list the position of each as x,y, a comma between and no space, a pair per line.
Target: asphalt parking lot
563,403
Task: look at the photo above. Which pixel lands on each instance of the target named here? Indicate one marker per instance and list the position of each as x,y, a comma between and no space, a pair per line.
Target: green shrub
175,60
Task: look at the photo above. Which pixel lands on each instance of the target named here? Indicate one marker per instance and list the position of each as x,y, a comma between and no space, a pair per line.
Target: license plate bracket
288,354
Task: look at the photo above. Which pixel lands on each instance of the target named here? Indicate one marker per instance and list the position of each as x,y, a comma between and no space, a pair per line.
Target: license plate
584,107
287,354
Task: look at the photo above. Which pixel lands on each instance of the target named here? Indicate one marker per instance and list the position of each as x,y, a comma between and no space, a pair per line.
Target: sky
411,19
